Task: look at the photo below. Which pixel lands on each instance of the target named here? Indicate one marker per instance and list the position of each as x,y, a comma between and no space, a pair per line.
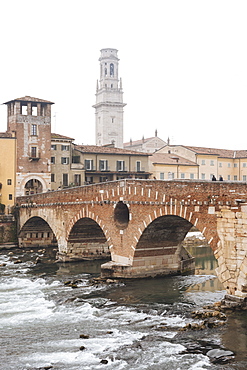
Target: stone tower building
109,101
29,121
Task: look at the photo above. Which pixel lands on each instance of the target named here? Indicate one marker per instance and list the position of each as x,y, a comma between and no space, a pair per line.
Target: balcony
140,169
34,157
77,166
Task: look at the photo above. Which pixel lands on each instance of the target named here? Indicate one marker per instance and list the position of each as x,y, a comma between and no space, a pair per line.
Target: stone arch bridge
142,225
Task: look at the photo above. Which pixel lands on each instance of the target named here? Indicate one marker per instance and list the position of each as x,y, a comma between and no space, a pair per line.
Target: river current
48,322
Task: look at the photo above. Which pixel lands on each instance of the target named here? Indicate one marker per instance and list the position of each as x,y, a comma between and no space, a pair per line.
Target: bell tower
29,121
109,101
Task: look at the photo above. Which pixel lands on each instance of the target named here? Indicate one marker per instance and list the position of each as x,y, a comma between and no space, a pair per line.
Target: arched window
111,69
105,71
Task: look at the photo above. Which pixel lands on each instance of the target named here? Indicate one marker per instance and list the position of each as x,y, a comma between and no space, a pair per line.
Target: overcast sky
183,65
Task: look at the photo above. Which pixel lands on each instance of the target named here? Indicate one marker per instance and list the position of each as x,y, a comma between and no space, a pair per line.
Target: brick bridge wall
143,223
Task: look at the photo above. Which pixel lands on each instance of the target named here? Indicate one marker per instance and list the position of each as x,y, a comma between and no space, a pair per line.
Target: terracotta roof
106,150
241,154
30,99
223,153
166,158
61,137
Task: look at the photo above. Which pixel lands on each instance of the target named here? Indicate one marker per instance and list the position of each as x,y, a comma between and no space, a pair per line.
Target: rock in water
220,355
84,336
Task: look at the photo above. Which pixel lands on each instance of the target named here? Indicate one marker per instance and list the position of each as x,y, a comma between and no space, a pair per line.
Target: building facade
165,166
109,101
107,163
148,145
66,169
76,165
29,121
7,172
229,165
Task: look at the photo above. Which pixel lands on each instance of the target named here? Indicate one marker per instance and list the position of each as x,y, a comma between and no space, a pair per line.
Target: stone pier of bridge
141,225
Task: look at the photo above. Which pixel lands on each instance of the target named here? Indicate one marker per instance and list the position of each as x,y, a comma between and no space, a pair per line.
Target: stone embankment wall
7,230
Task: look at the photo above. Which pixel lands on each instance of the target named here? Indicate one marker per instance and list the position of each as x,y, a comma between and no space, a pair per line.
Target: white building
109,101
148,145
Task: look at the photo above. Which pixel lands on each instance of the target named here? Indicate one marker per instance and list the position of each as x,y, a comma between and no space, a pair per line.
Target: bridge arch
86,239
159,246
164,231
174,222
36,232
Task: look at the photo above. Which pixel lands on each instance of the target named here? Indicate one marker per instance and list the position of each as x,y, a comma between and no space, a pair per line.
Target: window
244,164
9,182
65,147
112,69
10,196
65,179
52,177
211,163
182,176
235,165
228,177
228,165
203,176
162,175
77,180
43,109
103,165
203,162
33,151
52,160
171,175
88,164
24,109
244,177
89,179
138,166
65,160
235,178
34,110
120,166
53,147
192,176
34,130
220,164
103,179
76,159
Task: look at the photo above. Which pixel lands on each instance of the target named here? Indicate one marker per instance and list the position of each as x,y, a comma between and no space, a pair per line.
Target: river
45,322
